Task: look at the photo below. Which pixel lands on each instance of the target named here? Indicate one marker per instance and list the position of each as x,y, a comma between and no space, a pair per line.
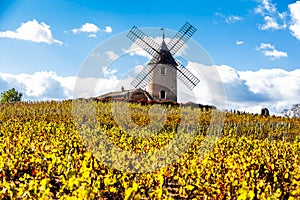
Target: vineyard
48,152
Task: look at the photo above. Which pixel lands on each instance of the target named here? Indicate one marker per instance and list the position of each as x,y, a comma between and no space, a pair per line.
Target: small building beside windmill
126,95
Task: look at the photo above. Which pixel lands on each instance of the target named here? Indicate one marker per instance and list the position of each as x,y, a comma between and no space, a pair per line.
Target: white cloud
111,55
92,29
32,31
272,18
239,42
275,54
138,69
265,46
108,72
265,7
92,35
135,49
270,51
108,29
271,23
295,19
86,28
227,74
230,19
93,87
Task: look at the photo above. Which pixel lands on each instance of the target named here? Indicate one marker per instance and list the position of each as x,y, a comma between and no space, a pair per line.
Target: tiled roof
125,93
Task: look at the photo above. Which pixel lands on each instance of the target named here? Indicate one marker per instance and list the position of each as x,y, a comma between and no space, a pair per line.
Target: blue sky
246,38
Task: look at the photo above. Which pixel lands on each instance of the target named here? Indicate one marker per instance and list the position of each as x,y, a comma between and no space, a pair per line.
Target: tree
293,112
11,95
265,112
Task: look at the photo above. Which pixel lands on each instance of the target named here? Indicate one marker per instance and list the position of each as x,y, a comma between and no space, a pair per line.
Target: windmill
162,71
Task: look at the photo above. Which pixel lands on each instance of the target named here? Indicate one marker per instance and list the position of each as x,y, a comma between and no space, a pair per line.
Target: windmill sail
186,76
144,77
181,37
162,54
145,42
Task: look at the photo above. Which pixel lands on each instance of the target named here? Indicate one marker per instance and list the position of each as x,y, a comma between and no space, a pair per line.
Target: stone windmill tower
161,73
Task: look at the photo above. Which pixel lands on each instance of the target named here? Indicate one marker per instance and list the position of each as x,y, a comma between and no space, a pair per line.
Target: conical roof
165,56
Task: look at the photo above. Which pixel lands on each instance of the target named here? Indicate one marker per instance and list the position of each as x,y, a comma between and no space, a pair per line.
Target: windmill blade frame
151,47
186,76
145,42
181,37
143,78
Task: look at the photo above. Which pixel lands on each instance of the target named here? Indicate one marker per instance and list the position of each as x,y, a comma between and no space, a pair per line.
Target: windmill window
162,70
162,94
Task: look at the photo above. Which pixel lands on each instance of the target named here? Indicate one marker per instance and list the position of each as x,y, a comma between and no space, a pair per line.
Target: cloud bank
39,86
248,91
32,31
295,18
276,89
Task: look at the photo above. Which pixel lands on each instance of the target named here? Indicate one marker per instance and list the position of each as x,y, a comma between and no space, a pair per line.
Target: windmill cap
165,56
